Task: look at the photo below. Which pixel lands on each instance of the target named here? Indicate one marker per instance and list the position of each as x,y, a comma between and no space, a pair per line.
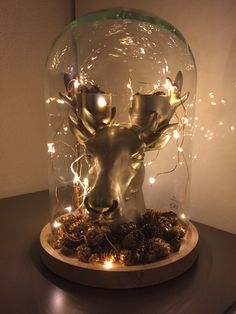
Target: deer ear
160,139
179,81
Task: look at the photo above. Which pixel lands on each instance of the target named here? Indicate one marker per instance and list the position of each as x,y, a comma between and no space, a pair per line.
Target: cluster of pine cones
154,237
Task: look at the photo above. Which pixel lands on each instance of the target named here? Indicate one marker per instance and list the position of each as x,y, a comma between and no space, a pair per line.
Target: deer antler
150,114
91,107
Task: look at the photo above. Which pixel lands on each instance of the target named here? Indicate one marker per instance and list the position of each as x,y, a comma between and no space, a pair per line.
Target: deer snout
100,205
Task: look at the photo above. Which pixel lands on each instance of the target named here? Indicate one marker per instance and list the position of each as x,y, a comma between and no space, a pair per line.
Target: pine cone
58,238
181,230
83,253
115,237
175,245
149,230
175,233
105,229
126,228
150,256
94,258
171,216
68,250
132,240
161,248
163,226
139,253
150,217
126,257
94,237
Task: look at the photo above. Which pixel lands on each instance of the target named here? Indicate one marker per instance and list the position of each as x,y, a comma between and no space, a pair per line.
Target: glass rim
122,14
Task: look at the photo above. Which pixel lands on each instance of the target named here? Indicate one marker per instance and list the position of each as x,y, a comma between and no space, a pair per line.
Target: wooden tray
123,276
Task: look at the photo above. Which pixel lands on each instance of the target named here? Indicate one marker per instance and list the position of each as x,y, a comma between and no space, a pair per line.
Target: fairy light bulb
168,86
68,208
76,84
86,182
51,148
76,179
176,134
60,101
56,224
184,120
152,180
108,264
180,149
183,216
101,102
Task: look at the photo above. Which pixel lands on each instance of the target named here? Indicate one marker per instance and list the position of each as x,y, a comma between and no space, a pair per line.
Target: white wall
210,28
27,29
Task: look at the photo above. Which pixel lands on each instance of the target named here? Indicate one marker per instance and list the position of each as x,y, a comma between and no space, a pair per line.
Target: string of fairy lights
179,135
82,184
186,126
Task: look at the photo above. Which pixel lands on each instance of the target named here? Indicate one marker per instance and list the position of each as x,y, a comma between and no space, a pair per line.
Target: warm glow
176,134
168,85
51,148
86,182
183,216
56,224
68,208
101,102
76,179
180,149
60,101
76,83
108,264
184,120
142,51
152,180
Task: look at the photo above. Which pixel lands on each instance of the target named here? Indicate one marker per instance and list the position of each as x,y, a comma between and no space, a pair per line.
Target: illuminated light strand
111,244
149,163
101,102
56,224
60,101
69,209
152,180
51,148
176,134
183,216
129,86
108,264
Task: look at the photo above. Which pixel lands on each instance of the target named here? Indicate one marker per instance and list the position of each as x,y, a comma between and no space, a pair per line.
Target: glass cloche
120,91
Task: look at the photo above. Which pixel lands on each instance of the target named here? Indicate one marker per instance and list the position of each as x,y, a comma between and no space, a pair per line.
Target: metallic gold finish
116,171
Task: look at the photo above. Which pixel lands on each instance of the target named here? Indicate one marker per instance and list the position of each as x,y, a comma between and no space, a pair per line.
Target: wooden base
123,276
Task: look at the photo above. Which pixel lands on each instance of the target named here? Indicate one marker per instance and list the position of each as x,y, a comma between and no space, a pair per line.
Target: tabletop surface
28,287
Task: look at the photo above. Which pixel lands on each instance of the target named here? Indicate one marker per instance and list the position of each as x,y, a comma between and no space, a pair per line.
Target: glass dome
120,91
